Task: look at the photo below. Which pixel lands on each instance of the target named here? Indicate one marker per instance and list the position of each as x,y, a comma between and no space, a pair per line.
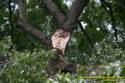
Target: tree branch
83,30
10,17
110,12
75,11
28,27
35,32
55,11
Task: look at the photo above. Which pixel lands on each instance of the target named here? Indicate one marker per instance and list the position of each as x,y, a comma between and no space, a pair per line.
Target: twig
110,12
10,17
88,37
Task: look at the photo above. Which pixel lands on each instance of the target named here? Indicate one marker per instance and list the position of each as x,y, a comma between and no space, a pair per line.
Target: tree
60,38
100,41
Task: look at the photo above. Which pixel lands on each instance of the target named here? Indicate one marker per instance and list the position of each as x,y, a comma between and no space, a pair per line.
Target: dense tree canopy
88,32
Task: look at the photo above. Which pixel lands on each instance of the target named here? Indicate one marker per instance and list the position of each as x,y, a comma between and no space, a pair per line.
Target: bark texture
54,10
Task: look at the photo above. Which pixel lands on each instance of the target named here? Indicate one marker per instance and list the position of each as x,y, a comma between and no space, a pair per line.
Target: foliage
5,44
30,67
24,66
107,51
28,59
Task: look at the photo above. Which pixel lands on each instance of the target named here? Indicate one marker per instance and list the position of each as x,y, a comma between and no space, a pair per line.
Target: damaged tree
60,38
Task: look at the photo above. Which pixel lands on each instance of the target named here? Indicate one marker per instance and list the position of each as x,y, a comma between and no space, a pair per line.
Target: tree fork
61,37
